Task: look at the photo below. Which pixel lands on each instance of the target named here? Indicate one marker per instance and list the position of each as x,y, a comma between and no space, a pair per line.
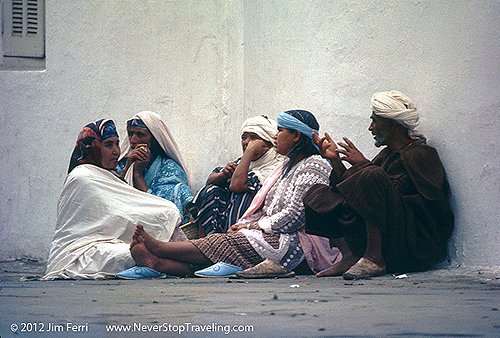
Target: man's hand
350,152
327,146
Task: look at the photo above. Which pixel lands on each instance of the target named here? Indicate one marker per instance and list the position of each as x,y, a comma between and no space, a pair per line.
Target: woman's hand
327,146
256,148
228,170
139,153
237,227
141,156
350,152
220,178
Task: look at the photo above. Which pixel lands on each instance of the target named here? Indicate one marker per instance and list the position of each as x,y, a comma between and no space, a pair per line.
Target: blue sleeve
171,183
121,165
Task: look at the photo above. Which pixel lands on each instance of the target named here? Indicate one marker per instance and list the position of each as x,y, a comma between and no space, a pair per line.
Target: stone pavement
441,303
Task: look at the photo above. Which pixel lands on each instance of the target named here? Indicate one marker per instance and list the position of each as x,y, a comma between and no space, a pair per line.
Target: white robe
96,217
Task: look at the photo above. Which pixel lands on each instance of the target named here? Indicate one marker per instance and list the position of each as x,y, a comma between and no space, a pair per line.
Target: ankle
377,259
349,257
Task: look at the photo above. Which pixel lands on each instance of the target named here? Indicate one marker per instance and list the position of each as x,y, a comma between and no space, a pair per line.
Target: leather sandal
265,269
364,268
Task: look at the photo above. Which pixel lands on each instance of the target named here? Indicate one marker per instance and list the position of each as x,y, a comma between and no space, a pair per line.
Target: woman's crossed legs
173,258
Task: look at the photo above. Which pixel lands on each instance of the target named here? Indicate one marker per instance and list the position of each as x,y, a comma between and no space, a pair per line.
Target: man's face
381,129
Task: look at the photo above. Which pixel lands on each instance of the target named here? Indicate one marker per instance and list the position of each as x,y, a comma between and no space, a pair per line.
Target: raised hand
257,147
141,155
327,146
350,152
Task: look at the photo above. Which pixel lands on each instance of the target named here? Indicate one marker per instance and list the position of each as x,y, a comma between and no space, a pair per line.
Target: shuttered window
24,28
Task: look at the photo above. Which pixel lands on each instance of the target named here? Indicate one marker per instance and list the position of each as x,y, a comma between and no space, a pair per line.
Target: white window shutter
24,28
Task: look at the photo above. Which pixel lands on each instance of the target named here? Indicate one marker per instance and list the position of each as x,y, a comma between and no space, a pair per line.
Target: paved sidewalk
441,303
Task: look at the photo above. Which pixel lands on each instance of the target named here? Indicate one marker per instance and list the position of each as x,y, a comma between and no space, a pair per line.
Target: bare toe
142,256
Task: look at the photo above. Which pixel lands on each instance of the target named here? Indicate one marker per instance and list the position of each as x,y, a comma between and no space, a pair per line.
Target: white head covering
162,134
261,125
396,106
266,129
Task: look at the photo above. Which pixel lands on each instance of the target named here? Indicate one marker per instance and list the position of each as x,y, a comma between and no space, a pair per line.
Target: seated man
151,161
393,211
229,190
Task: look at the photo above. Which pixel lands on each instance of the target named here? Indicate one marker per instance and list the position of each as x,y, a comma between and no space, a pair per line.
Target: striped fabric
219,208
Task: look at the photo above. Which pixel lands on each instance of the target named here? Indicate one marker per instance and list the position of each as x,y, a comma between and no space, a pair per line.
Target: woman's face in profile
285,140
110,151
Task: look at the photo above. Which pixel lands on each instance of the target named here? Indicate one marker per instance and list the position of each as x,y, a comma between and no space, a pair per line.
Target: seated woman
151,161
273,227
97,211
230,190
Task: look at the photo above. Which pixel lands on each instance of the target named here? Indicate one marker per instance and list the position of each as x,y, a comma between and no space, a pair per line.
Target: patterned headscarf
396,106
88,148
136,122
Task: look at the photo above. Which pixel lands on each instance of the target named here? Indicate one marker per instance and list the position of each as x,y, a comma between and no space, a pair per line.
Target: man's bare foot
142,256
364,268
339,268
155,246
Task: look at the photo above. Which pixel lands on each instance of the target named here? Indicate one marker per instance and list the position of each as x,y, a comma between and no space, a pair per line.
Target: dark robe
405,194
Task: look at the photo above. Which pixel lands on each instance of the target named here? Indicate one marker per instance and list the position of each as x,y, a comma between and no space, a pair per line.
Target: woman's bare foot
142,256
134,242
339,268
155,246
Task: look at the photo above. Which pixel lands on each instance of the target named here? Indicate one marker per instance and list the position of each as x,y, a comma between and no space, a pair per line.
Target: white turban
261,125
396,106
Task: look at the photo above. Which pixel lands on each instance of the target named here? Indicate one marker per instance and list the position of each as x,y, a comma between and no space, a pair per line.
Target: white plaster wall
114,58
206,65
329,57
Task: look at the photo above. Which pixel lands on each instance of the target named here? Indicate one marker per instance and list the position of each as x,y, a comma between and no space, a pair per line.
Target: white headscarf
162,134
396,106
261,125
266,129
